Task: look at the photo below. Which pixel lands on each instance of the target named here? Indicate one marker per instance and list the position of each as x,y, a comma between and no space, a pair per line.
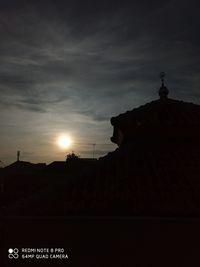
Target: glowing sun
64,141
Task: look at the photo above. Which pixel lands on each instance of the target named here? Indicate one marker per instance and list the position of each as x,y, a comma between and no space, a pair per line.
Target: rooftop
167,111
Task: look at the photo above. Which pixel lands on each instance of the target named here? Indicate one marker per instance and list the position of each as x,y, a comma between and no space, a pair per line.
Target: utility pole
18,155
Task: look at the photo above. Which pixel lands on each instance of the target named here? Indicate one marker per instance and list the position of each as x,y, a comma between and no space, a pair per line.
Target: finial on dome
162,76
163,91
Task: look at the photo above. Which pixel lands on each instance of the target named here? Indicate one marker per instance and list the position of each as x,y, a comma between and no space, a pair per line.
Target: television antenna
93,149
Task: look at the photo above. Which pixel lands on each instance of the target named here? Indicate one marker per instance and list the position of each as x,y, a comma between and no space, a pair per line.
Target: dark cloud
71,65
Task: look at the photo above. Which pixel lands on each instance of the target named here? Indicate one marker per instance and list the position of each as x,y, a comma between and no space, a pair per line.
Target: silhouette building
156,168
164,120
154,171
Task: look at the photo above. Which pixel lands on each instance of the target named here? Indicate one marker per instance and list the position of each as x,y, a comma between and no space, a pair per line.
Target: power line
89,144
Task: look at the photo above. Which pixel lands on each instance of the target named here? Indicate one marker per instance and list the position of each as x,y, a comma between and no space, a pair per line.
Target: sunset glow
64,141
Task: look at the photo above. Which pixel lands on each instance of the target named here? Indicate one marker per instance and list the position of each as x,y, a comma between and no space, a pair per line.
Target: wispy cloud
70,66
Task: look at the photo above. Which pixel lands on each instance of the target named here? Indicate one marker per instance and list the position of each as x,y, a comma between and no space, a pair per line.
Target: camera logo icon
13,253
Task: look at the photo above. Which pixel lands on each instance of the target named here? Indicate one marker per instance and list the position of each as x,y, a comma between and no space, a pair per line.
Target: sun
64,141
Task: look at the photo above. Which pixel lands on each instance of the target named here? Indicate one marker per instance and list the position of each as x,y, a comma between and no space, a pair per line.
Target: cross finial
162,76
163,92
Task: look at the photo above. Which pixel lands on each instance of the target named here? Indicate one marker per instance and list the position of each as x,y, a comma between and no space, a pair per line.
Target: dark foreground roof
162,111
158,119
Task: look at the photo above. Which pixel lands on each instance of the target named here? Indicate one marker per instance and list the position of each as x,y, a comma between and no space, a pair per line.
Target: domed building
164,120
156,168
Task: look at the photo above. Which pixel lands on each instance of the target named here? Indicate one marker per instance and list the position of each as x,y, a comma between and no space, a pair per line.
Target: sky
67,67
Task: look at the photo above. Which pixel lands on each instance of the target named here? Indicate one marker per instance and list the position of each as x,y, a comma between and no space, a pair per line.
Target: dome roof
162,111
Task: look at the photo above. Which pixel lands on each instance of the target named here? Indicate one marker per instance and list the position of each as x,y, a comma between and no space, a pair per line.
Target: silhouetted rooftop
162,113
168,111
154,171
24,165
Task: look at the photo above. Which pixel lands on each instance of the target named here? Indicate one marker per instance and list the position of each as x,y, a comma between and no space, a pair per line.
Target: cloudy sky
68,66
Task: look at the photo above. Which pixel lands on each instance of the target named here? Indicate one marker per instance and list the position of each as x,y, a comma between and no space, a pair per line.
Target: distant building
21,179
57,166
72,165
24,166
